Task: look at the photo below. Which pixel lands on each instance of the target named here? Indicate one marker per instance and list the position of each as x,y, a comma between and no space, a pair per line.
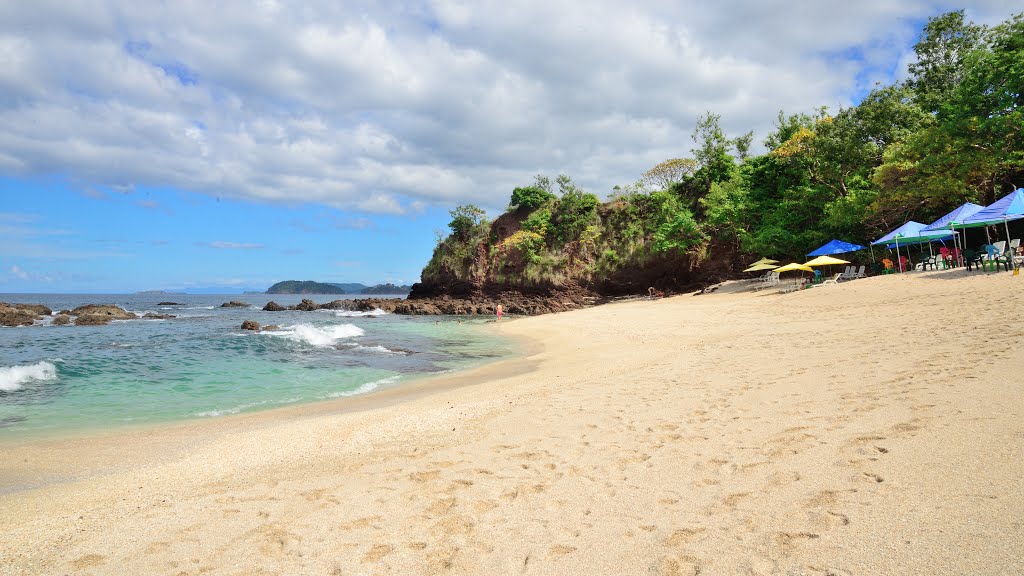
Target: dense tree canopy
953,131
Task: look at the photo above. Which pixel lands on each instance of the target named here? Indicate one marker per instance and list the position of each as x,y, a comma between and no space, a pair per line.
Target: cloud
22,274
222,245
389,108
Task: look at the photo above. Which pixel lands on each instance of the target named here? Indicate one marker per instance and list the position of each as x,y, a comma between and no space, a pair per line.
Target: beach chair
848,273
889,267
995,256
947,257
772,280
817,278
972,259
904,264
860,273
833,280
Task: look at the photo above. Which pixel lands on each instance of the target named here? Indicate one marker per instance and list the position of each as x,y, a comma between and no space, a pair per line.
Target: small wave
363,389
321,336
13,377
378,349
199,308
358,314
235,410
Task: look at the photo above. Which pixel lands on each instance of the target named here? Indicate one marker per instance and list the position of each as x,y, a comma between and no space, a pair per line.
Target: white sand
873,427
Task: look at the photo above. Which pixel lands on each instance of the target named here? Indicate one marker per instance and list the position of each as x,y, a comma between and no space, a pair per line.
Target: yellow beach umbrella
759,267
825,261
793,266
764,261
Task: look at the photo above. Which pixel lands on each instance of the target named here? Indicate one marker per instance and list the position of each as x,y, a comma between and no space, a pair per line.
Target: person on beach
498,311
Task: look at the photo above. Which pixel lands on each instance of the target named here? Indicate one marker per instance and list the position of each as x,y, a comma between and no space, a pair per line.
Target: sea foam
358,314
369,386
13,377
322,336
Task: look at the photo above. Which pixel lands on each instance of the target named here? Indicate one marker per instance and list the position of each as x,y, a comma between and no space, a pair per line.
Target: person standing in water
498,311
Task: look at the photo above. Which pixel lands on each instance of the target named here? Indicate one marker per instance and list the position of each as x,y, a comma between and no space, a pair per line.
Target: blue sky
173,146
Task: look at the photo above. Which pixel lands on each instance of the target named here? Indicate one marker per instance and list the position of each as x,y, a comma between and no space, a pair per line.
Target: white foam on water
377,349
358,314
235,410
199,308
13,377
363,389
321,336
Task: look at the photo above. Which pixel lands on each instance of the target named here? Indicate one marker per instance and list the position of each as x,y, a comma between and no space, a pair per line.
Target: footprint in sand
88,561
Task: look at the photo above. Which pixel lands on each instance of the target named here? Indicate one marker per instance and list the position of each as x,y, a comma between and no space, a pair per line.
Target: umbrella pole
898,261
1007,226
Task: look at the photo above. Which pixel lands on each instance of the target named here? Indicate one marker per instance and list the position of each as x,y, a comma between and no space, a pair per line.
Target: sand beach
874,427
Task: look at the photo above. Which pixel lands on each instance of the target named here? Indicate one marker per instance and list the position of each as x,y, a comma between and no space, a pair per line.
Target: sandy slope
874,427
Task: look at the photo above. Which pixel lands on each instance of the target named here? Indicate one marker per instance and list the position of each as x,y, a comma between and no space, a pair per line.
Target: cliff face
612,251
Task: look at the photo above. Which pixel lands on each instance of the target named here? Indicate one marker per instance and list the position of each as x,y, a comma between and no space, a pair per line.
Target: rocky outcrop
38,309
270,327
273,307
168,304
234,304
99,314
155,316
62,320
512,303
251,325
11,315
307,305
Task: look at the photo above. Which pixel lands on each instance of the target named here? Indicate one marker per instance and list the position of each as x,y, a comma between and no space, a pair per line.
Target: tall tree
942,50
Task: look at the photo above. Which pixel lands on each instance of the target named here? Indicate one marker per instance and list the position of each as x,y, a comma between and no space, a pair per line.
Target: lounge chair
771,280
848,274
860,273
833,280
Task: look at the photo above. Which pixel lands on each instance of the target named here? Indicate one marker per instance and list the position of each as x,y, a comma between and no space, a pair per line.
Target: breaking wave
321,336
14,377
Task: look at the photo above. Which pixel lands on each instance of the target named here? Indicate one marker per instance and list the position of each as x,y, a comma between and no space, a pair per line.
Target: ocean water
63,379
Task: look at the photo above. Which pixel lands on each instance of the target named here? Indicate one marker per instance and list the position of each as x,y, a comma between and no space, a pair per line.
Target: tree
679,234
942,50
670,172
530,197
712,154
465,219
742,144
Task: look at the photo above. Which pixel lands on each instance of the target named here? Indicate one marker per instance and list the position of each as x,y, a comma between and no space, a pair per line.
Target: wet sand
874,427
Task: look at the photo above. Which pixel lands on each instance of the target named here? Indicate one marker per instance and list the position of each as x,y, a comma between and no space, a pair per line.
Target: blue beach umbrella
836,247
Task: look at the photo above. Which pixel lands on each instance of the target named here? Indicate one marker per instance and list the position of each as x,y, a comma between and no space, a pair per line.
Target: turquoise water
57,379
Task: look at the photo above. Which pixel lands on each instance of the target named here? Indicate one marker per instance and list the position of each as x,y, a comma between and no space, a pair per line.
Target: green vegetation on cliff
952,132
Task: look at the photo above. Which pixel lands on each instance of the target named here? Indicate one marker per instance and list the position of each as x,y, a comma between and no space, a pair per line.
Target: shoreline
57,446
874,427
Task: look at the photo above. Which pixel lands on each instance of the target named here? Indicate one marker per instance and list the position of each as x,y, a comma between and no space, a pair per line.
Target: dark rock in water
270,327
11,316
273,307
234,304
307,305
39,309
168,304
250,325
97,314
155,316
62,320
92,320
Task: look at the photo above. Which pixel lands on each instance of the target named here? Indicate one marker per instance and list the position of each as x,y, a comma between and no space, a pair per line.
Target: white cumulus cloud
390,107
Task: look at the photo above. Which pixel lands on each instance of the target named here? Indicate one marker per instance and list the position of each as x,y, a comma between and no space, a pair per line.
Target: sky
196,146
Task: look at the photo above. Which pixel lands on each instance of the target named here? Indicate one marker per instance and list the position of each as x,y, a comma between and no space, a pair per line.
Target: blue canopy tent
954,218
911,233
836,247
1009,207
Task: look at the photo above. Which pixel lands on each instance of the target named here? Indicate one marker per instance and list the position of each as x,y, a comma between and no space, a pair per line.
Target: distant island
312,287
